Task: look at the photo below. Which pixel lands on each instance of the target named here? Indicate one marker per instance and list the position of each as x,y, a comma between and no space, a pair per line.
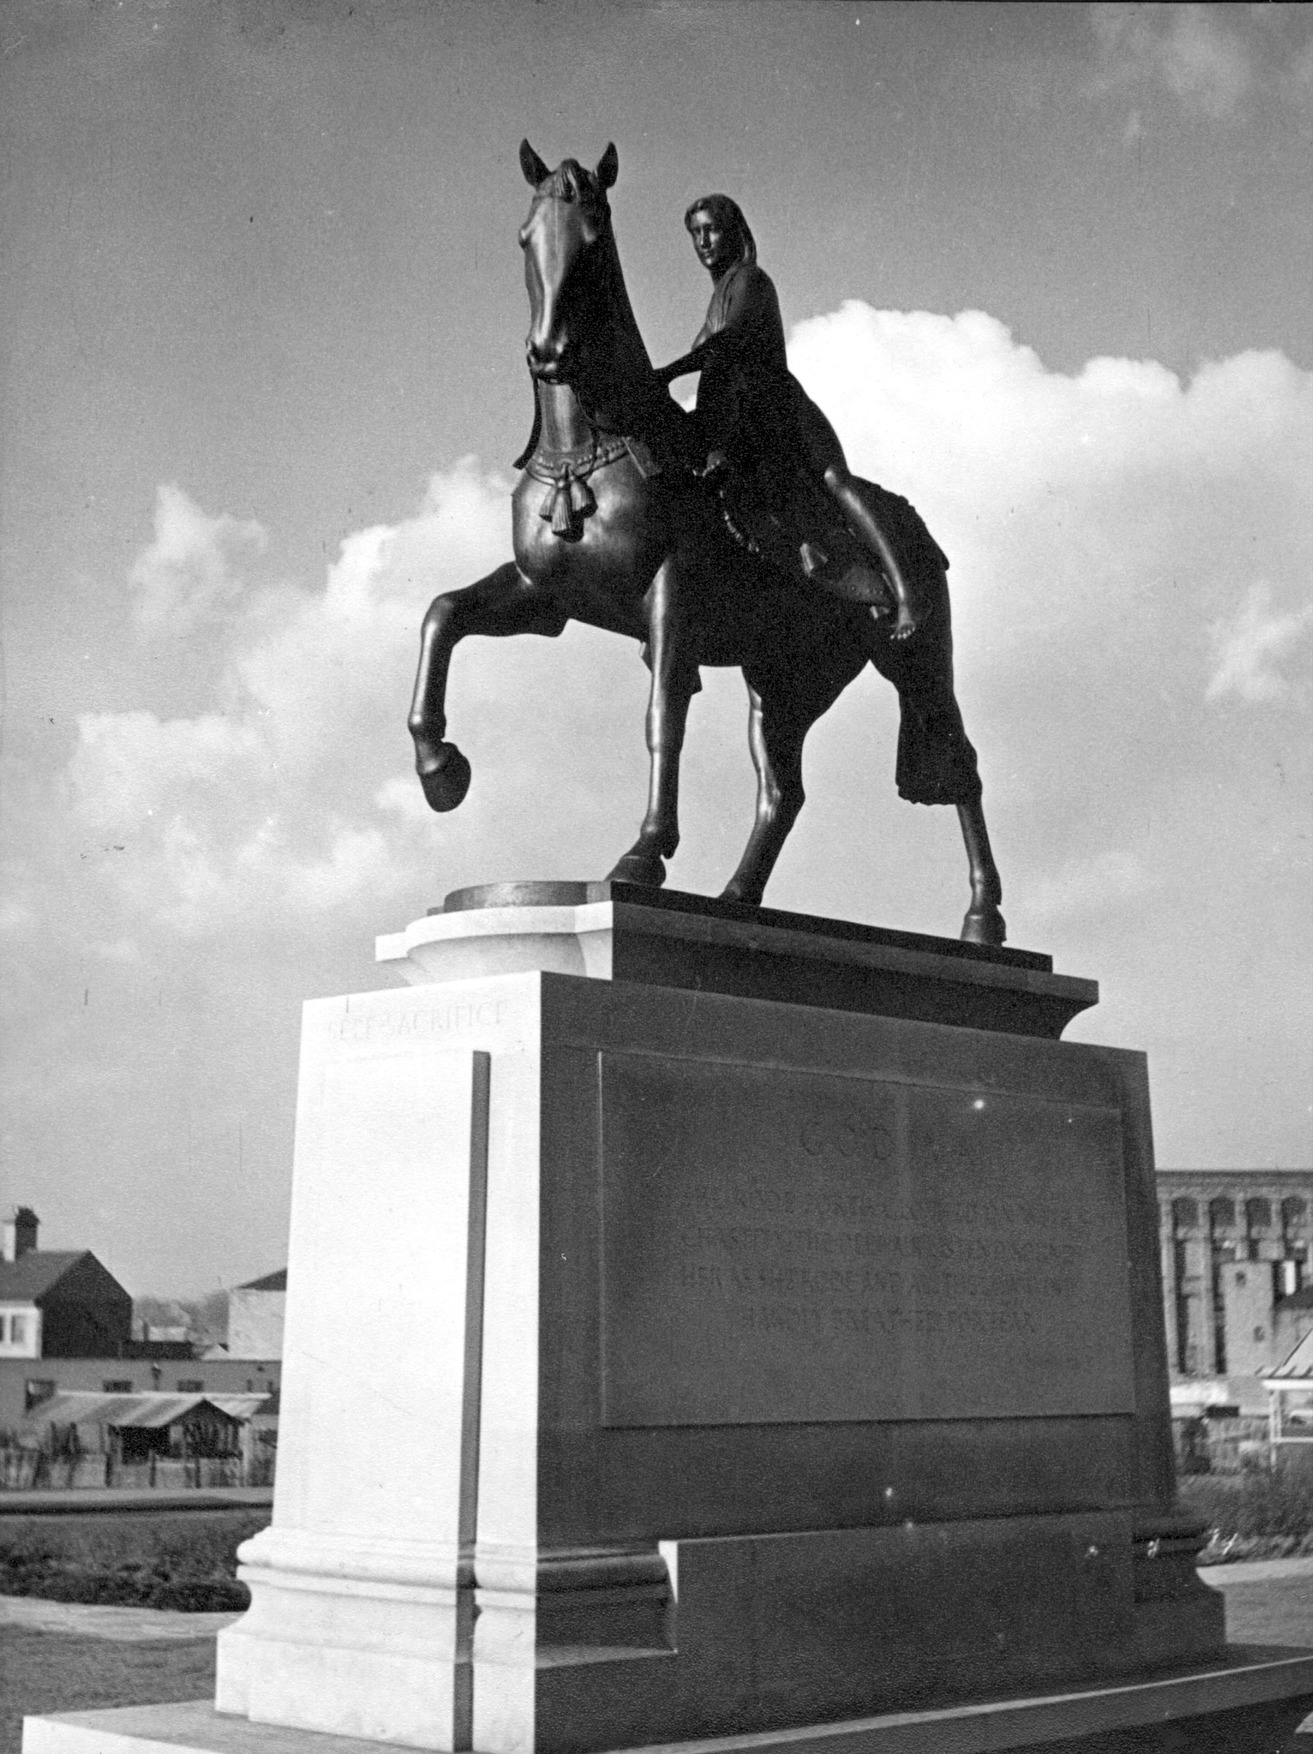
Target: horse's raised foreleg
777,756
674,682
983,923
503,603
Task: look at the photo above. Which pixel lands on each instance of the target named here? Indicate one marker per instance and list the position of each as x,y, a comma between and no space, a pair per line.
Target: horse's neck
617,384
564,426
633,364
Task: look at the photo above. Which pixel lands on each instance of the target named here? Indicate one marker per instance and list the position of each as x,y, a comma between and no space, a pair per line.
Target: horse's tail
936,759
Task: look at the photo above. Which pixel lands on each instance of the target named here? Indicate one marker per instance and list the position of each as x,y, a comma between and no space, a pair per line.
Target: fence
28,1470
1219,1446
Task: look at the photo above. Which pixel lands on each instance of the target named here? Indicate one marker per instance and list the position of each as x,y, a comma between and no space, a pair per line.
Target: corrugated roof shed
151,1410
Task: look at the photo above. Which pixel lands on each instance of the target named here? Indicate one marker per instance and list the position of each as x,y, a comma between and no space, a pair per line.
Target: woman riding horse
755,418
622,542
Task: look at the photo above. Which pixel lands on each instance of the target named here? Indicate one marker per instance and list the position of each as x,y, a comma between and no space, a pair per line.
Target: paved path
94,1499
1255,1571
122,1625
1268,1601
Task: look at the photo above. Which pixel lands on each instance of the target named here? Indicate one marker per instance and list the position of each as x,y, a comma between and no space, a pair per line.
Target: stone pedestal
668,1357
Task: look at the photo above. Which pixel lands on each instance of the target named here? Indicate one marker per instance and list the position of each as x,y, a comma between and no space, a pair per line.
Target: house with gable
57,1303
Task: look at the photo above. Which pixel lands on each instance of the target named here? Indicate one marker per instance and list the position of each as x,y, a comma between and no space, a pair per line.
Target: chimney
18,1233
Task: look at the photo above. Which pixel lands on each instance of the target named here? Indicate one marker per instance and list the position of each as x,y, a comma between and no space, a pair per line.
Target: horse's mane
648,403
571,182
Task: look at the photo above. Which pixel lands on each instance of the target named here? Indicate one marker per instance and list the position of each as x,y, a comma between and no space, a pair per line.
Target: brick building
26,1383
1236,1251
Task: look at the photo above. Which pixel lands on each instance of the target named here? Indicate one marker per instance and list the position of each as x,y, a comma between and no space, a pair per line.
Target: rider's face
710,239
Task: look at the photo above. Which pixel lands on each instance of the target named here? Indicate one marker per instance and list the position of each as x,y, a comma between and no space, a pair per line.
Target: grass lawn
1258,1514
45,1672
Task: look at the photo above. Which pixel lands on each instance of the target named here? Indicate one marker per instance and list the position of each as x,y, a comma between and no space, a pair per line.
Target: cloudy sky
1047,269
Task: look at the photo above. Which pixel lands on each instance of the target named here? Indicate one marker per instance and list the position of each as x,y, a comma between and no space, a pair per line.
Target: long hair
729,216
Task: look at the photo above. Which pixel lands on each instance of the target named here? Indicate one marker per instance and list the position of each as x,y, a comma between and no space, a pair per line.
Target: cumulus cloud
1108,531
1209,59
1251,646
1193,51
1100,519
192,569
265,801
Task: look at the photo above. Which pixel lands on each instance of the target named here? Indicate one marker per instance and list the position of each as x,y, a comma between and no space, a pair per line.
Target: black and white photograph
655,948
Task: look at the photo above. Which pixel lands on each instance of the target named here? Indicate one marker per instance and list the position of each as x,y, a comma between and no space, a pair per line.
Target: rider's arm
703,351
727,326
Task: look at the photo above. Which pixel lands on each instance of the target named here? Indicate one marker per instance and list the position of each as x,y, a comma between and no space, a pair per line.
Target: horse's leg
674,681
503,603
936,761
983,924
776,747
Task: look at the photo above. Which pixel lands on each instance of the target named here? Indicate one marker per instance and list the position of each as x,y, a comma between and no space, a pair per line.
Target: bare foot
905,625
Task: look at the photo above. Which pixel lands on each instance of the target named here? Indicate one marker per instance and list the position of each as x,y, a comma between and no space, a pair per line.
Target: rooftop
82,1407
271,1282
34,1273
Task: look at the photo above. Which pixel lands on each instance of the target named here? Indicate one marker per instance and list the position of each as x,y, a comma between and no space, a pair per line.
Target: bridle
569,499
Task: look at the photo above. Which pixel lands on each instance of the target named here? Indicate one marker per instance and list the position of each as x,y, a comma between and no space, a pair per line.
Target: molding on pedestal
618,931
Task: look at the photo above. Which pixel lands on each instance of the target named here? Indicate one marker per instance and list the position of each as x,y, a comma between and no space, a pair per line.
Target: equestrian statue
730,535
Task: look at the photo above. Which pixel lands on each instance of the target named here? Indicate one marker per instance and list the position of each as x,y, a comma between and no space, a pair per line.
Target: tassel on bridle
567,501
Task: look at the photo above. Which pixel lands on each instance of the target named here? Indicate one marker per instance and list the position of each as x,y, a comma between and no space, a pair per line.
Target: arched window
1185,1215
1221,1214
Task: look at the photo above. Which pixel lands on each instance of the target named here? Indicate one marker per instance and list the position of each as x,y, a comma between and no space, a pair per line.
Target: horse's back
905,529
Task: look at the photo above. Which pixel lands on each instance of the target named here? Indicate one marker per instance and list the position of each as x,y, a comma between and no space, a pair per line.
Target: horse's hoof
647,869
445,777
984,927
742,893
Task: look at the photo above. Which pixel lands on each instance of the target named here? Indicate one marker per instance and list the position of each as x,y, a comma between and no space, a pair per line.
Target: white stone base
501,940
1258,1678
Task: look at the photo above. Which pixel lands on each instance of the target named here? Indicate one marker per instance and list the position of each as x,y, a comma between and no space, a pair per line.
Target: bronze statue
614,525
754,416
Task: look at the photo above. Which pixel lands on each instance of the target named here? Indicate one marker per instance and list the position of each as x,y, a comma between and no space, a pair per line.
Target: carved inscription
795,1247
416,1022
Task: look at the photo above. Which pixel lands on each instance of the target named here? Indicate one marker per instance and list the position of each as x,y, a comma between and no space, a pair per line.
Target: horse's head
568,249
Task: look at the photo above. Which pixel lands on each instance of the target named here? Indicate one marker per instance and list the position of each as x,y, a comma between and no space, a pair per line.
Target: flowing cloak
749,403
752,407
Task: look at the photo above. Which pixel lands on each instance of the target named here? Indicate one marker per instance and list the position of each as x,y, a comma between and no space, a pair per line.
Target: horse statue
610,529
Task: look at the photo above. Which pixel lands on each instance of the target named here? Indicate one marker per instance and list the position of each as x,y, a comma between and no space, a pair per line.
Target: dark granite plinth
670,939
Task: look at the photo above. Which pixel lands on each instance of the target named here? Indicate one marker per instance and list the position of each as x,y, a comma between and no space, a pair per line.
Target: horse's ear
608,167
535,171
